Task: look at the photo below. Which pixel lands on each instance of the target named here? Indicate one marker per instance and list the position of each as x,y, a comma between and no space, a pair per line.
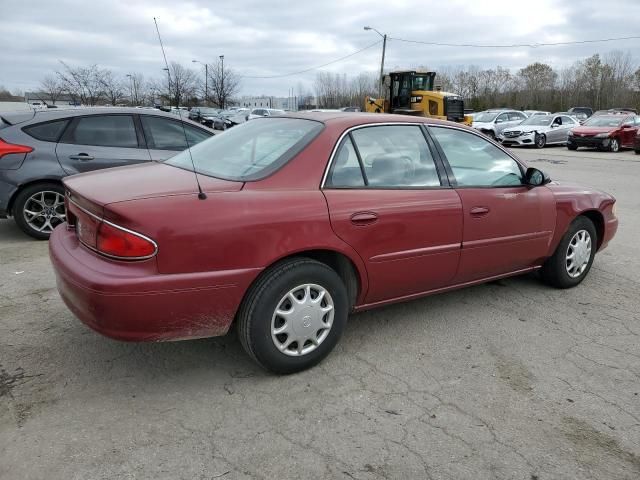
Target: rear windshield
604,121
250,151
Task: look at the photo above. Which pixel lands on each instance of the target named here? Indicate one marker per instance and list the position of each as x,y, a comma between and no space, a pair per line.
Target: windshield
422,82
604,121
250,151
208,111
485,117
538,120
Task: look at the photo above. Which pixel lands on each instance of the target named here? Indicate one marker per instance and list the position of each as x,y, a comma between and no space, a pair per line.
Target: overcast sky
262,37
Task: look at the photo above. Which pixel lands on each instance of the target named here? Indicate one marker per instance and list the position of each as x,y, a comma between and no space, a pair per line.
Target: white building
284,103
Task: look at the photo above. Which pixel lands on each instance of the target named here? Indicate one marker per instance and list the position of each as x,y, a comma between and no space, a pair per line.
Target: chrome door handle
81,156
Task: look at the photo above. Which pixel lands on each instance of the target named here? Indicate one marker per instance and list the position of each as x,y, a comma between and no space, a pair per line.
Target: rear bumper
588,142
131,301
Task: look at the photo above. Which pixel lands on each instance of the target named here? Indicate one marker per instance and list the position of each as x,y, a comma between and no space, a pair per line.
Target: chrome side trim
118,227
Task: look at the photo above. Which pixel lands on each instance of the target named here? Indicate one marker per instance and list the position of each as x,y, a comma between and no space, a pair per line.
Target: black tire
490,134
554,271
257,309
572,147
541,140
614,145
637,152
19,207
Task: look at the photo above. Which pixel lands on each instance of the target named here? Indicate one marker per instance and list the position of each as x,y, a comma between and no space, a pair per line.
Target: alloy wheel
615,146
44,210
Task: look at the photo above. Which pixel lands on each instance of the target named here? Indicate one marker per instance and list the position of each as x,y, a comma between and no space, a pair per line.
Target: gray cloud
270,38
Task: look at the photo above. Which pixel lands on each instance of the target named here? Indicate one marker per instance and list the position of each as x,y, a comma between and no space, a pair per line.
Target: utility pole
222,95
384,48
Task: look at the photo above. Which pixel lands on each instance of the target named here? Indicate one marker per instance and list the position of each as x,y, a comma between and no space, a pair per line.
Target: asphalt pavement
508,380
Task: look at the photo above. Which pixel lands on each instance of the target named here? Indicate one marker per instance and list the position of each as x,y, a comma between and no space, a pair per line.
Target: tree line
92,85
600,82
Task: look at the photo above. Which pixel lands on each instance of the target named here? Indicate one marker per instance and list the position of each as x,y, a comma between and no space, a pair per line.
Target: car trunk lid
136,182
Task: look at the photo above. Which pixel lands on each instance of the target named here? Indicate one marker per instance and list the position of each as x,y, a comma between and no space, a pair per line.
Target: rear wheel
614,145
637,152
39,208
572,260
293,316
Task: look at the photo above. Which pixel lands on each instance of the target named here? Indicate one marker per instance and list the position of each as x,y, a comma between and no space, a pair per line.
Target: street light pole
206,81
222,95
168,85
384,48
131,80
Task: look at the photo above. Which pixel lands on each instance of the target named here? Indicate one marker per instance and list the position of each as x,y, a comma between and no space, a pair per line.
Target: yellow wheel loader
412,93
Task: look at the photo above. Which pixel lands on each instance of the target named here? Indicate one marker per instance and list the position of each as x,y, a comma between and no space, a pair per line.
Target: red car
605,132
304,219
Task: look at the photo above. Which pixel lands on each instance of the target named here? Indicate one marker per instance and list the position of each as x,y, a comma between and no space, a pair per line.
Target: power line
515,45
316,67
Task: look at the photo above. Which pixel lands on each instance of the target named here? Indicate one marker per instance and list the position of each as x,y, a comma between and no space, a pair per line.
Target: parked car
307,218
199,114
350,109
539,130
605,132
492,122
38,149
265,112
636,143
530,113
586,110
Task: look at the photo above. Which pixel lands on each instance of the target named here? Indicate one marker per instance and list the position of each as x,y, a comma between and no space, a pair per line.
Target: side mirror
499,120
265,115
626,125
535,177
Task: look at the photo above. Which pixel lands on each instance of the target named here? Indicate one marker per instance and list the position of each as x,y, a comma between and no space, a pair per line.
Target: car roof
340,119
56,113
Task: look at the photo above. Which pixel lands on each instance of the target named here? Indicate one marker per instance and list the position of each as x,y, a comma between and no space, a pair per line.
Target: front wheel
541,140
614,145
572,260
293,316
38,209
490,134
572,147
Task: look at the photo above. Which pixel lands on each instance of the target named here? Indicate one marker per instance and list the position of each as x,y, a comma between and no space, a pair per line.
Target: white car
265,112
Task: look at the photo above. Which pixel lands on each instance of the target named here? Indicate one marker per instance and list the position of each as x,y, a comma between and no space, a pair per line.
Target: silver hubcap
44,211
302,320
578,253
614,145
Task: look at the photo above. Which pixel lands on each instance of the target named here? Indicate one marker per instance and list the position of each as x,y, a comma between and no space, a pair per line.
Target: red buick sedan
306,218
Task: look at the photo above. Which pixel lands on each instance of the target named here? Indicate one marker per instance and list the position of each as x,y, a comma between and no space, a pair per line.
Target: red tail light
121,243
8,148
108,238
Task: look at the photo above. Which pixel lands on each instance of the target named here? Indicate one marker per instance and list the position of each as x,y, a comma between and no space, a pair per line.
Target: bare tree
81,83
112,86
224,83
179,85
53,87
137,88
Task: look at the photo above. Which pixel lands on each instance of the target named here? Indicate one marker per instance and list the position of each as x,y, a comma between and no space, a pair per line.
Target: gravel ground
508,380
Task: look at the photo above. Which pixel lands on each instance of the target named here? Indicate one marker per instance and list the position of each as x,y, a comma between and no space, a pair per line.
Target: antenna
201,194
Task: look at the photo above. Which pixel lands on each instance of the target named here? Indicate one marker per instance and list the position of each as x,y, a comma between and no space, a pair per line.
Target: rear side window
166,134
250,151
47,132
104,131
345,170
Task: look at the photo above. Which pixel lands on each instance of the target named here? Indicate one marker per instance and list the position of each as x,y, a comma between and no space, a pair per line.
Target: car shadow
214,362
